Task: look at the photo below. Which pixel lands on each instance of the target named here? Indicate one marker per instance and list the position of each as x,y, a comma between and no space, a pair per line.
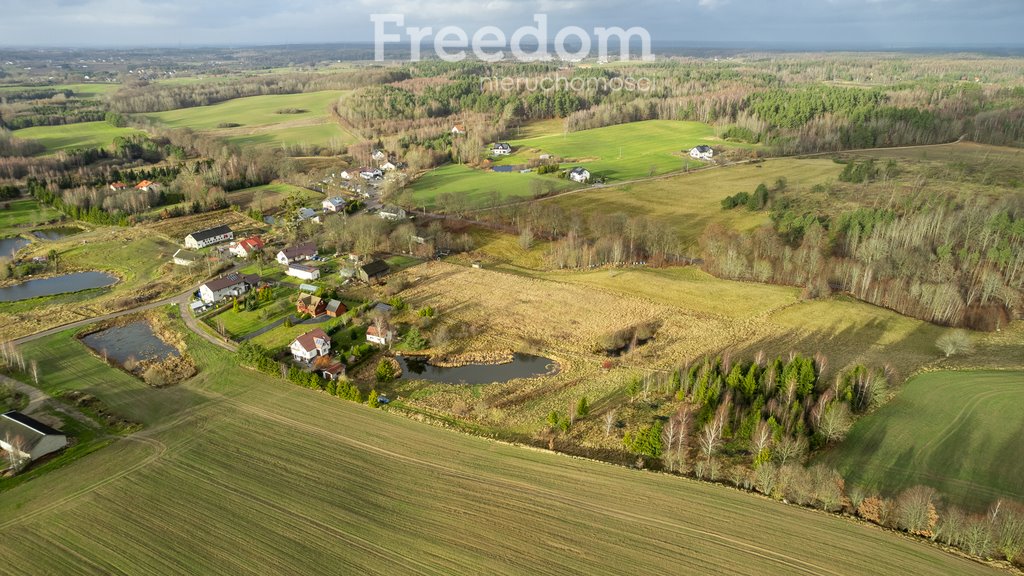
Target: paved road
194,326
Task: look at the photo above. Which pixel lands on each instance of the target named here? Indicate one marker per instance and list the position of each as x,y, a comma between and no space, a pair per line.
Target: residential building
702,152
393,213
310,346
336,204
581,175
28,438
118,186
147,186
381,337
501,149
304,214
371,173
312,305
228,286
208,237
299,253
458,129
303,272
388,166
245,248
379,155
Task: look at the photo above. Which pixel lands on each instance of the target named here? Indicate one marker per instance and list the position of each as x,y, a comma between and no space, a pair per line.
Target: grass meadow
475,188
17,216
290,480
689,202
958,432
624,151
71,136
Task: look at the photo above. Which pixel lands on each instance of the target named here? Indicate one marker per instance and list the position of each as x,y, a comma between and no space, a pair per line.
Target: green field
286,480
625,151
474,188
958,432
94,90
71,136
689,202
270,196
17,216
259,122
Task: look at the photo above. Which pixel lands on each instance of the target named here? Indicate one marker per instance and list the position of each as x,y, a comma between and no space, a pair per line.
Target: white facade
211,296
303,272
184,258
336,204
380,340
393,213
702,153
579,175
320,347
195,244
501,149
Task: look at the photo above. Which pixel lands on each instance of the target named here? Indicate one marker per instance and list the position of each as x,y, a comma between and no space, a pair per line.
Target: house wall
191,242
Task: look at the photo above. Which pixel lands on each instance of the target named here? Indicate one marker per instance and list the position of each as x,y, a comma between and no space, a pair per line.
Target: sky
822,23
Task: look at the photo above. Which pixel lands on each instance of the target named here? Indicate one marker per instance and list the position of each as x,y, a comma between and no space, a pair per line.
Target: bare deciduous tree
955,342
609,421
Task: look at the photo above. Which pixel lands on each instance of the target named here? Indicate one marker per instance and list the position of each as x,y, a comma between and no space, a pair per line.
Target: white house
28,438
389,166
379,155
380,337
303,272
311,345
501,149
208,237
186,257
393,213
458,129
370,173
336,204
299,253
229,286
702,152
579,175
245,248
348,174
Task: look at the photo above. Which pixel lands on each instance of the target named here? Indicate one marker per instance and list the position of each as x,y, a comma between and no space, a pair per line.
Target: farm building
579,175
309,304
702,152
335,308
208,237
381,337
501,149
373,272
303,272
336,204
229,286
305,251
186,257
245,248
393,213
310,346
28,438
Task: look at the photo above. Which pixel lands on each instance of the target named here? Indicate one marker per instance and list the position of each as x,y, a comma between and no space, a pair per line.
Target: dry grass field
241,473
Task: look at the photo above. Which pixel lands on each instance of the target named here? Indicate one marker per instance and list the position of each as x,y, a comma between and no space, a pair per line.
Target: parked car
383,400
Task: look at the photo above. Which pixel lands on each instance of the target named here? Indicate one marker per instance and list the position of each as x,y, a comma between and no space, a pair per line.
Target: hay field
259,476
71,136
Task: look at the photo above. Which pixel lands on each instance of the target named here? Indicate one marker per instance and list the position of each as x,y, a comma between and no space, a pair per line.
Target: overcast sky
878,23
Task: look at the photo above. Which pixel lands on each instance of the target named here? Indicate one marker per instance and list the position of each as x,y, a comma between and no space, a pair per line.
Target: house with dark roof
373,272
581,175
702,152
310,304
501,149
208,237
390,212
28,438
299,253
311,345
228,286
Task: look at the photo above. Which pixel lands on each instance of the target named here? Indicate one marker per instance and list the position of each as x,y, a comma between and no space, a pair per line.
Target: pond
8,246
522,366
504,169
135,341
56,233
56,285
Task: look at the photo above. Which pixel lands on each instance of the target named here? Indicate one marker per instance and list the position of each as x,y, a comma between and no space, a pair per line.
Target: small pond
56,233
56,285
522,366
505,169
136,341
8,246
